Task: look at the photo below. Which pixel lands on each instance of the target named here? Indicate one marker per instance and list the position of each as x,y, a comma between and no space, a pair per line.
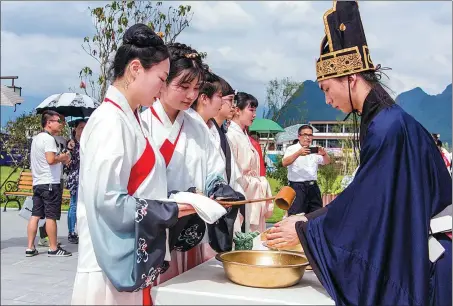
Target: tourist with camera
302,162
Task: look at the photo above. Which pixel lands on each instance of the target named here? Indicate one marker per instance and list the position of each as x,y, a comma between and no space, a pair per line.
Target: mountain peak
447,90
414,95
432,111
416,90
311,84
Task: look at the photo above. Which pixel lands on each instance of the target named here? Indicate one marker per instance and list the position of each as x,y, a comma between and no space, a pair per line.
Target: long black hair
211,84
226,87
243,100
373,79
185,61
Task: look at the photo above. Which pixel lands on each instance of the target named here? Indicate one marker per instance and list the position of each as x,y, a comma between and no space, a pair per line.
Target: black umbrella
69,104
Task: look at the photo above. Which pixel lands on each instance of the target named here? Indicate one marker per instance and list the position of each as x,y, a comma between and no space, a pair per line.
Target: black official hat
344,49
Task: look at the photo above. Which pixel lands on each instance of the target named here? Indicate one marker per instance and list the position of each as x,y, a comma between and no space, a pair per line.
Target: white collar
117,97
236,127
165,120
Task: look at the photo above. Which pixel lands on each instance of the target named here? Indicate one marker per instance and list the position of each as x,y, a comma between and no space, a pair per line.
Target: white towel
209,210
442,221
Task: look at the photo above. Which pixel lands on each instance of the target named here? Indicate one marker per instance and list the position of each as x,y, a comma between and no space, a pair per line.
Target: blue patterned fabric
370,245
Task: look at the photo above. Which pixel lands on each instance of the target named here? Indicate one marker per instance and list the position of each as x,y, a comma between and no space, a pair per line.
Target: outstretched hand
185,210
284,234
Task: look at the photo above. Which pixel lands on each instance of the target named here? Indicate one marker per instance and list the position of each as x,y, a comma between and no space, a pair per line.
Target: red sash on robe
446,161
167,149
257,147
139,172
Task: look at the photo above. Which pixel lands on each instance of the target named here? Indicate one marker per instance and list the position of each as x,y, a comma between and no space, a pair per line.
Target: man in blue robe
370,245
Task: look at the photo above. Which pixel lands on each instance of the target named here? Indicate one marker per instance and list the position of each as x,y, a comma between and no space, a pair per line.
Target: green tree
329,176
279,94
111,21
16,142
280,173
18,135
348,157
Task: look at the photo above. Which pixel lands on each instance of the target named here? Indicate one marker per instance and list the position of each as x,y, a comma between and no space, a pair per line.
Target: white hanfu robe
254,185
192,162
235,171
215,139
122,230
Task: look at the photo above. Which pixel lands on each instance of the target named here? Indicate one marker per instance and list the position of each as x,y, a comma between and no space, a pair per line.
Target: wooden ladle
284,199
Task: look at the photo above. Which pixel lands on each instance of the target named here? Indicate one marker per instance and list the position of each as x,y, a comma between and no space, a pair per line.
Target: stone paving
34,280
39,279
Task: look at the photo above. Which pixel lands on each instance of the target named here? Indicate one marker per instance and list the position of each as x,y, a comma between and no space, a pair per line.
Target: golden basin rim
219,258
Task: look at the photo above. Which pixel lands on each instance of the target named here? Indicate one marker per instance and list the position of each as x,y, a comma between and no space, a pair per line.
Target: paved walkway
34,280
39,279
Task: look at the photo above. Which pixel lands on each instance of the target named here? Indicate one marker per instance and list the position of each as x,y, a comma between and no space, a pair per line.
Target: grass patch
278,213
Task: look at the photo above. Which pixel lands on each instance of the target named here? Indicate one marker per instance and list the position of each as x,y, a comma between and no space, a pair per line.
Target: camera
314,150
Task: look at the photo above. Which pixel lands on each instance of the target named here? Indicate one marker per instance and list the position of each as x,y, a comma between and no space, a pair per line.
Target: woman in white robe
204,109
189,153
212,108
247,158
123,214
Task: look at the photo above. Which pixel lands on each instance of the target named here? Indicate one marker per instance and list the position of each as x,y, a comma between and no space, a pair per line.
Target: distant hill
432,111
309,105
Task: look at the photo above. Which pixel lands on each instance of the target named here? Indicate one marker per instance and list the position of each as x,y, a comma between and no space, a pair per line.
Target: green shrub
329,177
281,173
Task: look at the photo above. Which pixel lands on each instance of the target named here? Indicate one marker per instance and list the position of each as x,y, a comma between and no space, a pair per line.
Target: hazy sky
248,43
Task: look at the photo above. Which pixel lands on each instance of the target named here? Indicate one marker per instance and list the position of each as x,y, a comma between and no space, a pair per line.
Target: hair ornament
192,55
380,71
235,100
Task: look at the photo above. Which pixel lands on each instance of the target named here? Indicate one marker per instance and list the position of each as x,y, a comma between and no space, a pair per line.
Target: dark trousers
308,197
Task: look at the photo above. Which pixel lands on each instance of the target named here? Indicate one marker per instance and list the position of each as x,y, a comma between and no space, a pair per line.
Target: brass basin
263,269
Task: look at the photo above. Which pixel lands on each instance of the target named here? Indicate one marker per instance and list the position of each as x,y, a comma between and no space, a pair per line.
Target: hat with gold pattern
344,49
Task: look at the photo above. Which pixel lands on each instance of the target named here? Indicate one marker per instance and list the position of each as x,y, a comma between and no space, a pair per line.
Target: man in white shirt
46,168
302,163
62,144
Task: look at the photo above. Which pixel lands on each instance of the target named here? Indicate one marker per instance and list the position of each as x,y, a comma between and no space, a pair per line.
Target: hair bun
141,36
178,51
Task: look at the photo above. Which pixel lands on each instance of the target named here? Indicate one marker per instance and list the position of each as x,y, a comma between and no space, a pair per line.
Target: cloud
443,14
292,13
248,43
224,16
45,65
29,17
417,48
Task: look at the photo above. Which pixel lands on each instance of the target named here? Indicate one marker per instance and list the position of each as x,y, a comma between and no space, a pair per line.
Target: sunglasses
57,120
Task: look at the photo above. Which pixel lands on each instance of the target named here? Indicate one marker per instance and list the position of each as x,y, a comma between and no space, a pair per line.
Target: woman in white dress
123,214
208,105
186,145
247,158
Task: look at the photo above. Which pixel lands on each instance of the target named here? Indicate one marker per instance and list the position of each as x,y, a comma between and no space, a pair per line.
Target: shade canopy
265,126
69,104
